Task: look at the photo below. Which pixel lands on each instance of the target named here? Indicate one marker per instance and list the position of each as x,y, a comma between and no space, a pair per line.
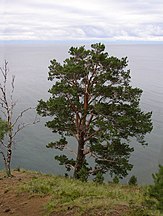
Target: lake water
29,63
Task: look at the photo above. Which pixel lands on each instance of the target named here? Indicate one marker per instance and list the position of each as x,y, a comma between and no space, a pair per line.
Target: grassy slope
72,197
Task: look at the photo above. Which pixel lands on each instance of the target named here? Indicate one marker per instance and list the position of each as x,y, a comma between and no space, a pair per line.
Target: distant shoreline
115,42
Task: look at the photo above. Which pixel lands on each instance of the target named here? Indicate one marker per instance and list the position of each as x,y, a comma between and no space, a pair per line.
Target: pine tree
156,190
92,100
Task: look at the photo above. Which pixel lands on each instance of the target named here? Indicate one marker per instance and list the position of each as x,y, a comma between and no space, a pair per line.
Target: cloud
75,19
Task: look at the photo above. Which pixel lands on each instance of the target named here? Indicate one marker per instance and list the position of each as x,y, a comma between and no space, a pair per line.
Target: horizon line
85,41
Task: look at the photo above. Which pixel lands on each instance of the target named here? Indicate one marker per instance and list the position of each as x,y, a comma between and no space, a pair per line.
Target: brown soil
13,202
19,204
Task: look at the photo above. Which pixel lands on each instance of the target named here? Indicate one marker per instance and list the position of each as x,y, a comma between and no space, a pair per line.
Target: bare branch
3,112
20,115
12,90
21,126
4,70
2,143
3,155
12,83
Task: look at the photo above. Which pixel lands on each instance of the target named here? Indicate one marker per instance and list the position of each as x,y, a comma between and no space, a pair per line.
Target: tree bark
80,158
82,130
8,163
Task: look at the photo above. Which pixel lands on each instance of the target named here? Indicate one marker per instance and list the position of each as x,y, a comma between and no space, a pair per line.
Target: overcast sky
81,20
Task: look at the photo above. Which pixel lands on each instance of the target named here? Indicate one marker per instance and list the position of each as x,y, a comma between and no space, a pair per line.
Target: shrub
132,180
116,180
155,191
99,178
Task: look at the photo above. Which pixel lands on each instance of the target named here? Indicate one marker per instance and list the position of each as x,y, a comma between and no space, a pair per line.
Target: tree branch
2,143
69,166
20,116
103,159
3,155
23,125
91,135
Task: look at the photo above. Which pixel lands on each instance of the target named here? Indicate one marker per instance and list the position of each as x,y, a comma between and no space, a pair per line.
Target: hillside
29,193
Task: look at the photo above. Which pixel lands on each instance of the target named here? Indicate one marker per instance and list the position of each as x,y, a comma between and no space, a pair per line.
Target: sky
114,20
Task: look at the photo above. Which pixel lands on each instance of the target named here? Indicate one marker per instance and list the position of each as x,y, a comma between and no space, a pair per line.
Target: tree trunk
9,150
80,159
80,155
7,168
8,163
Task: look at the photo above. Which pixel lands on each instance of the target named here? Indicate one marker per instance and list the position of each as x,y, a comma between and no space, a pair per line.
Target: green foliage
58,144
155,191
99,178
116,180
63,160
132,180
3,128
92,100
83,174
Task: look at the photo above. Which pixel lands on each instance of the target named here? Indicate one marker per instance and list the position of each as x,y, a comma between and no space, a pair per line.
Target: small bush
132,180
116,180
155,192
99,178
83,174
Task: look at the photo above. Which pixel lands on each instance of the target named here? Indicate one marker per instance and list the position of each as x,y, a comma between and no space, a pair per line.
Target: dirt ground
19,204
16,203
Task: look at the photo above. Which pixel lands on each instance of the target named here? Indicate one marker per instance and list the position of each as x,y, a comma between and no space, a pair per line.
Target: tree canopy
92,100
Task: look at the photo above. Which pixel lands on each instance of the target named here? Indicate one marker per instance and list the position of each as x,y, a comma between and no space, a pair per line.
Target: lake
29,63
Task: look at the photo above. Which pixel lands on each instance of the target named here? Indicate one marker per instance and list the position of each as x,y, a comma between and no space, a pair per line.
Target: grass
74,197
